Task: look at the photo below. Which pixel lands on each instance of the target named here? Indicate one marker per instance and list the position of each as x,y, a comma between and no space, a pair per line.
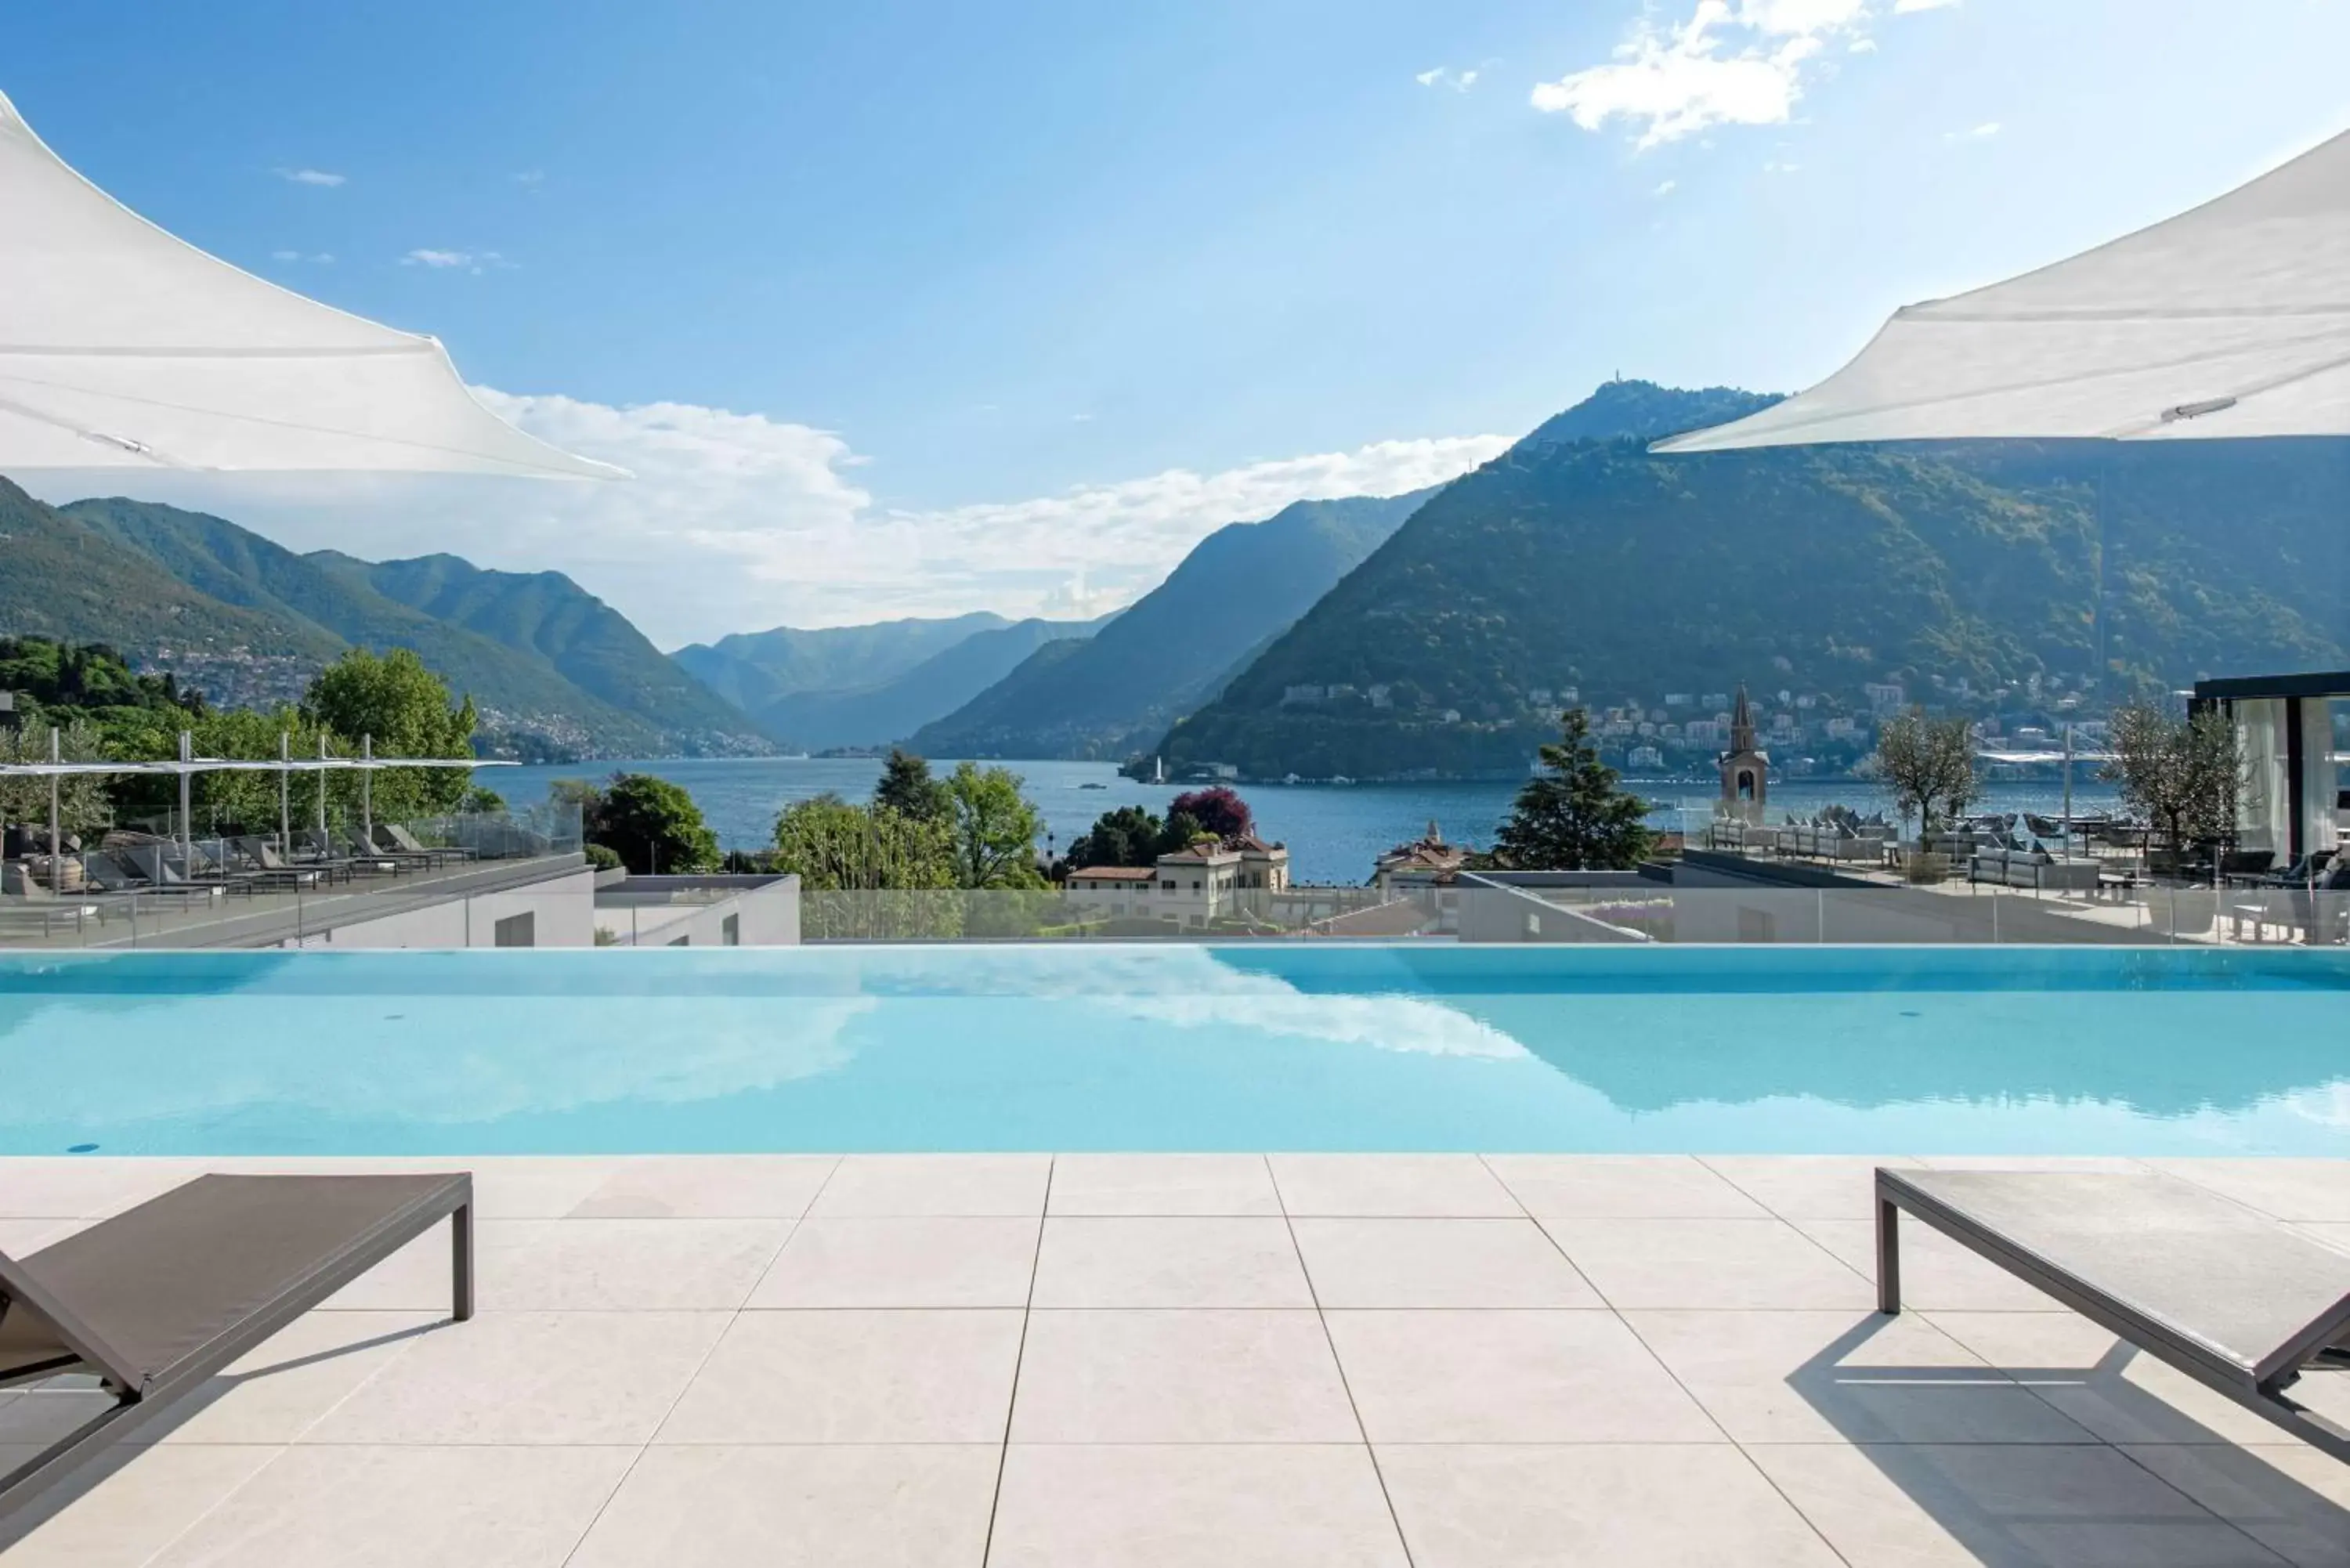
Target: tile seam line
2197,1503
1019,1360
1485,1163
1346,1386
214,1507
686,1386
1762,1203
283,1449
2084,1441
1712,1420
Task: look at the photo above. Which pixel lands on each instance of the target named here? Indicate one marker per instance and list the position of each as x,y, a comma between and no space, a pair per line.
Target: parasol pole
187,742
2068,789
56,840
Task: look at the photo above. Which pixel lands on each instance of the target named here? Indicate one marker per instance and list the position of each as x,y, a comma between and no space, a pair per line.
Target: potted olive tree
1929,765
2186,774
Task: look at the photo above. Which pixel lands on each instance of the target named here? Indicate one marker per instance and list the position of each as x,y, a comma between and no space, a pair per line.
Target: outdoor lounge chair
274,871
396,837
384,842
159,1298
144,868
2230,1297
360,859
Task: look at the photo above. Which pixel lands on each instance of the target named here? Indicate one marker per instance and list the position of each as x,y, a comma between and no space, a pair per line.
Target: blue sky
916,308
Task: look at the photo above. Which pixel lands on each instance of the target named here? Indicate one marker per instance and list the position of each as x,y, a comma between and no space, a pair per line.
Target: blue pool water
1922,1050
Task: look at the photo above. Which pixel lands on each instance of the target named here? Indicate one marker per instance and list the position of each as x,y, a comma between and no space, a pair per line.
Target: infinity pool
1826,1050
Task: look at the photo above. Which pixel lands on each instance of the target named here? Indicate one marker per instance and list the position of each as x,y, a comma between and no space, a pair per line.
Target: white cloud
1741,63
321,258
738,522
312,177
1802,18
1445,77
1982,132
475,261
1666,189
1905,7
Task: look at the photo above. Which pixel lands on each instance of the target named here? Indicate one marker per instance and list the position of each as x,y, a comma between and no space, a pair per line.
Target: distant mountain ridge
754,669
1589,565
1622,409
551,667
898,708
867,685
1173,648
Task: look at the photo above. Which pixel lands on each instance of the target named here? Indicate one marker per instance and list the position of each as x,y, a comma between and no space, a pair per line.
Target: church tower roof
1741,723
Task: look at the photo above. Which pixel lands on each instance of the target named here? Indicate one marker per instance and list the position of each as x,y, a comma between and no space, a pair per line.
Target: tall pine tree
1573,816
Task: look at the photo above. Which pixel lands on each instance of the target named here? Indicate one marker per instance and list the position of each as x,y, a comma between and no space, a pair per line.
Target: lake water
1333,831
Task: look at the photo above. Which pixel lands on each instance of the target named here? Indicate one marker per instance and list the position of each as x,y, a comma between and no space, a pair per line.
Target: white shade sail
122,347
2230,320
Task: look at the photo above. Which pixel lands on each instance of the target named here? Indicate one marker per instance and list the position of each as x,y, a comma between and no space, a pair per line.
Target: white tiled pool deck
1219,1361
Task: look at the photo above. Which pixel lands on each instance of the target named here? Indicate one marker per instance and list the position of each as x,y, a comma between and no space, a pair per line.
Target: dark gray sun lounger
2229,1296
158,1298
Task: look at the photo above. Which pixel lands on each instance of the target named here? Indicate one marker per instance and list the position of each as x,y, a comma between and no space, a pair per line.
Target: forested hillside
1595,568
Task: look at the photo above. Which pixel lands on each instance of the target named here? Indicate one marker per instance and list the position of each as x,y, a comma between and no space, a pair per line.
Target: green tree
994,829
83,805
2187,774
868,872
1929,765
908,788
403,710
1127,837
1573,816
1180,831
654,826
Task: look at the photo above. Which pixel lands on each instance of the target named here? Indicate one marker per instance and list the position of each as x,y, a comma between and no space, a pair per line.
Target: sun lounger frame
2261,1391
140,1396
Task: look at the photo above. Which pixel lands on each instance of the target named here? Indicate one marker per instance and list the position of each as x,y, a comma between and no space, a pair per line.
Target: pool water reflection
1915,1051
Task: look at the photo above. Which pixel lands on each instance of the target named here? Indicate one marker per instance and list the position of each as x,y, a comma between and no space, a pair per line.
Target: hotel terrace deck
1219,1361
281,915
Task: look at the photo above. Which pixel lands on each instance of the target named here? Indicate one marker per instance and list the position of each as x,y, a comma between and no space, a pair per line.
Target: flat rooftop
265,917
1184,1362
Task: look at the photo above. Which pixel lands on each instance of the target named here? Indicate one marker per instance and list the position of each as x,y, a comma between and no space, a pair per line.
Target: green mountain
754,669
1621,410
894,709
1175,646
236,567
248,621
548,618
1591,565
61,578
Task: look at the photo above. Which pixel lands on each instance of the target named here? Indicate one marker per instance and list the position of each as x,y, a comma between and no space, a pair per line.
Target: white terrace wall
560,910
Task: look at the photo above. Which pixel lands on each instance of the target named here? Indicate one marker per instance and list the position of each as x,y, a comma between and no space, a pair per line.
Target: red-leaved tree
1216,809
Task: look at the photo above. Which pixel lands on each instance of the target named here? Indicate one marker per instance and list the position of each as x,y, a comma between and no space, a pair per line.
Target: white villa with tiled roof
1211,880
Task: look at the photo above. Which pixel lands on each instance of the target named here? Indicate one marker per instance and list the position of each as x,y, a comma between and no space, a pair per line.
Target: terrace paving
1181,1362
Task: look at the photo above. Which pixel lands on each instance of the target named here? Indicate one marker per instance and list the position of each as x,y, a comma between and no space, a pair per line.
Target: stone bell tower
1745,769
